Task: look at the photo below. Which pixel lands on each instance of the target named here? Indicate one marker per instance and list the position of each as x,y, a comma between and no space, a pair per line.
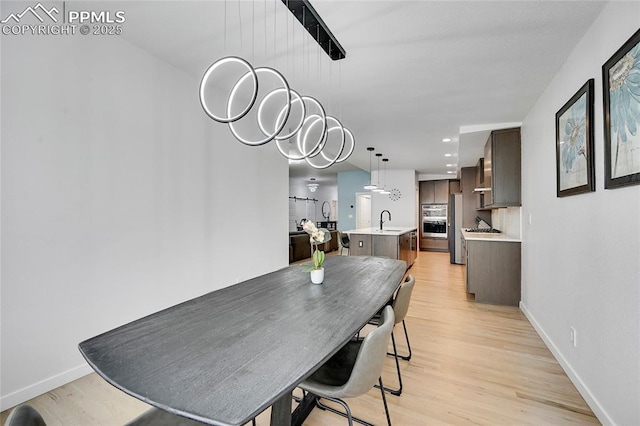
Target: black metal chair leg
340,413
406,336
384,401
396,392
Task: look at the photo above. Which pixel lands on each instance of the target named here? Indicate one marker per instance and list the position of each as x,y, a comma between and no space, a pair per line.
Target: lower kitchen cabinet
434,244
492,271
360,245
400,245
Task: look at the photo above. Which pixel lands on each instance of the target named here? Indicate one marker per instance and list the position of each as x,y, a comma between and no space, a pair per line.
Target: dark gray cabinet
408,247
434,192
492,271
480,195
502,169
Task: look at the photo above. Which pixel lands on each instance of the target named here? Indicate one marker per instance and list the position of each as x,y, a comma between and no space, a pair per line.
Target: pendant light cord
241,32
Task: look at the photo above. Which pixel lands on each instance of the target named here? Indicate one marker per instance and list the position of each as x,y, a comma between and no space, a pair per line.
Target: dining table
226,356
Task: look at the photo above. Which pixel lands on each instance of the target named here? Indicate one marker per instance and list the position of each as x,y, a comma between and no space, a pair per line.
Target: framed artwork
621,95
574,144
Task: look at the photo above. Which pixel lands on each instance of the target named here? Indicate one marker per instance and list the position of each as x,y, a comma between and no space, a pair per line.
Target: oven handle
434,219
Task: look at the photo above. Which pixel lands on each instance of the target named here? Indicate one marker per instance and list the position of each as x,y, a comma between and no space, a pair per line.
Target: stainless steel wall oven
434,220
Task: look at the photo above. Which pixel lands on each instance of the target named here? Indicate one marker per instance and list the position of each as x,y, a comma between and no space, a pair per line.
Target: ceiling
415,72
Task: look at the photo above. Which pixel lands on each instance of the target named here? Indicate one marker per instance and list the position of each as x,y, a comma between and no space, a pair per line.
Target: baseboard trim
590,399
44,386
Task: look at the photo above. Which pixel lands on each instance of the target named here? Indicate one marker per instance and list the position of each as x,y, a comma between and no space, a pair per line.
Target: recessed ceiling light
448,155
451,172
446,140
451,165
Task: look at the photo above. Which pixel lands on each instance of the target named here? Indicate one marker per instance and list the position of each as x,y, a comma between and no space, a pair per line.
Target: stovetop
484,230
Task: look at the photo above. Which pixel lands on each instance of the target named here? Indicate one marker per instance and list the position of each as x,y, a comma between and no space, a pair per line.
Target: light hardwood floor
472,364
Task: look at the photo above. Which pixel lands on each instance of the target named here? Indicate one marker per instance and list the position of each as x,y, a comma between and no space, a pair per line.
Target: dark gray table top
224,357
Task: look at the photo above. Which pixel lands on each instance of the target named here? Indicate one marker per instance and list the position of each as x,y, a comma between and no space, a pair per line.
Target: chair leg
384,401
346,414
396,392
406,336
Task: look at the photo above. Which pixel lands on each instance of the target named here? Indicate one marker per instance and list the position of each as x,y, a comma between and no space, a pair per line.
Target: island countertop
393,230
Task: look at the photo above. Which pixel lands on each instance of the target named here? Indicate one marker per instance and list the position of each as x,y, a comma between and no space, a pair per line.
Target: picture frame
575,173
621,98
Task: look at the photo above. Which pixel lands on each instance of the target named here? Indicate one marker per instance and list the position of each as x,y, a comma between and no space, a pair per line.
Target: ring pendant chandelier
311,144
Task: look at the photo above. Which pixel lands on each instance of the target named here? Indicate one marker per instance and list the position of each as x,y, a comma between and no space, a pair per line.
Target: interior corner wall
404,211
119,198
580,254
349,184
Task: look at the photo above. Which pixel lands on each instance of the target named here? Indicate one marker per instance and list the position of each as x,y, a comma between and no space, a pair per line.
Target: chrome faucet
381,221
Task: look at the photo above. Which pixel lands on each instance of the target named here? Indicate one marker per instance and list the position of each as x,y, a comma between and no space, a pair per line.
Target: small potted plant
316,236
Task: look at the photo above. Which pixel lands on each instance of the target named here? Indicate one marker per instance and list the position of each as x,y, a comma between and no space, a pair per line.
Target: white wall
581,254
404,212
119,198
325,192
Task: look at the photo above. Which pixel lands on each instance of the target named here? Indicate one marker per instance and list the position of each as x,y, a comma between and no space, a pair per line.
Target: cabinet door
405,248
427,192
506,169
455,186
441,191
479,196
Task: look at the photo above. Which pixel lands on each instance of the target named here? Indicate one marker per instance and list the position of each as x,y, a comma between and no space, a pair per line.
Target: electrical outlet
573,336
360,243
530,218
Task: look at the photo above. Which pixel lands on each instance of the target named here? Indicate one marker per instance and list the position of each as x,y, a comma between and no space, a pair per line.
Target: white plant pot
317,276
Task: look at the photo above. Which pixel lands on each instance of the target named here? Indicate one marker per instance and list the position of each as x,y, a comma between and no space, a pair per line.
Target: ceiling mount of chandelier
313,23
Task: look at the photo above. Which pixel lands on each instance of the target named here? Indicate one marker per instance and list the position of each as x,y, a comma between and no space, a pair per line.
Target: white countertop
482,236
391,230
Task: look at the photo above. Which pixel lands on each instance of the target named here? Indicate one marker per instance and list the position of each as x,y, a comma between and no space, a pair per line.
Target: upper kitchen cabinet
434,192
502,169
480,195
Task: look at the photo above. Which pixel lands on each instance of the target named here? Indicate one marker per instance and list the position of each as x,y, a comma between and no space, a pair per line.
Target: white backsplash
508,220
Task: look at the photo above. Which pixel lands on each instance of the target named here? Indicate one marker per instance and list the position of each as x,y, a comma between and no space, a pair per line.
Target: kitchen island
395,243
492,271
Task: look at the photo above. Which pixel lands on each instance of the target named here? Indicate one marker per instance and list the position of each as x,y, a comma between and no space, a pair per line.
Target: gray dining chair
157,417
354,370
25,415
400,306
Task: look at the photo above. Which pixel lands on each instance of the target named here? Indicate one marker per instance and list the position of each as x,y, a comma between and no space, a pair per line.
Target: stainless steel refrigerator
455,225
